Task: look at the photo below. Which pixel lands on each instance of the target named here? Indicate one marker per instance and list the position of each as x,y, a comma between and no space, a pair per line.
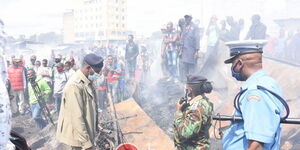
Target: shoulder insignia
253,97
77,80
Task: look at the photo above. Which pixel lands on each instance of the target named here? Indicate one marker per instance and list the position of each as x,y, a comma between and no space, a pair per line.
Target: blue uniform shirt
261,112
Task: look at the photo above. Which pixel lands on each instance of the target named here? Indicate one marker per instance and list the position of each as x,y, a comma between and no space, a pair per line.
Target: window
117,25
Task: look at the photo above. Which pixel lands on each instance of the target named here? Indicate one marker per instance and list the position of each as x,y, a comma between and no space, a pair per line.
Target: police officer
259,102
193,117
77,121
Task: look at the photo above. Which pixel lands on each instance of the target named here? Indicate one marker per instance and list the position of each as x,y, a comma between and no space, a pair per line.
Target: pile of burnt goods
159,101
36,139
105,139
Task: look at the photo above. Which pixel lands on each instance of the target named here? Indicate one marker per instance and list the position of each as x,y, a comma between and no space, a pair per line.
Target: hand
179,106
180,53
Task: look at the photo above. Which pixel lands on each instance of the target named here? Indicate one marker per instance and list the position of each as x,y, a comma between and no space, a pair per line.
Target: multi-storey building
99,20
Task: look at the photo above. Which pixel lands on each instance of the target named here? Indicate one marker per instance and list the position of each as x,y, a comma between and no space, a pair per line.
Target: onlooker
37,82
235,29
69,69
32,62
46,72
37,66
191,45
17,80
112,71
132,51
257,30
60,80
170,49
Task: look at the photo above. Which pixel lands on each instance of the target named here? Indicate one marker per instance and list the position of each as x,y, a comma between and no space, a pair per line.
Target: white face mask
93,77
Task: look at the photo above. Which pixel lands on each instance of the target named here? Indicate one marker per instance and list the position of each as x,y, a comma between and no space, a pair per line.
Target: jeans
131,64
57,98
172,62
36,115
121,88
113,89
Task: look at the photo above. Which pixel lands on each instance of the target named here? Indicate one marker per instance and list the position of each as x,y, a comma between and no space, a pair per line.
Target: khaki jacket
77,121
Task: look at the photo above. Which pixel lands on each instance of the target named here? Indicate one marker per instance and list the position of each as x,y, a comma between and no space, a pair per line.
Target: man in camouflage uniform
193,117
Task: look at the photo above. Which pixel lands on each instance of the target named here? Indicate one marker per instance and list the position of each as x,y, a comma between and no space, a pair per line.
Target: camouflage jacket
191,127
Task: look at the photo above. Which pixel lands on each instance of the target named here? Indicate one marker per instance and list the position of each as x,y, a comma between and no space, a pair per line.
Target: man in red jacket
17,80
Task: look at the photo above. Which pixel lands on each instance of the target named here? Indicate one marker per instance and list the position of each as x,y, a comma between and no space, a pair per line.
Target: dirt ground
158,101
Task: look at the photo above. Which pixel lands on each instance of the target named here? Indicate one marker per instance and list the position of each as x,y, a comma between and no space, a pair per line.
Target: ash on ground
159,102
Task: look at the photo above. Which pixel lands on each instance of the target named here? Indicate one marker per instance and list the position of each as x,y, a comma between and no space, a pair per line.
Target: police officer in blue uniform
259,101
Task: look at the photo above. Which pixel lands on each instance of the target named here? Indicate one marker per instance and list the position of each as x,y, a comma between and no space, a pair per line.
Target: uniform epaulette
77,80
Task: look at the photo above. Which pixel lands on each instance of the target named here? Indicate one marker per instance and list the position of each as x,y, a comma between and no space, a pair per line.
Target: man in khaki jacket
77,121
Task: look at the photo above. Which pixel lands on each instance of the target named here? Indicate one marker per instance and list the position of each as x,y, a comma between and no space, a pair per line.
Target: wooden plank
143,132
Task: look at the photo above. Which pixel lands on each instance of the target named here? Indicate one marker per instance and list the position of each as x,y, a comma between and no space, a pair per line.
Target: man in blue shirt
257,102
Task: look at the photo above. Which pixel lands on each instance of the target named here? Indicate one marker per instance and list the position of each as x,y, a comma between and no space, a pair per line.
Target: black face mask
44,65
57,60
32,61
15,64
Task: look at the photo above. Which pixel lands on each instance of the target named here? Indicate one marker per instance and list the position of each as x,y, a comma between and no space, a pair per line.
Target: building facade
99,20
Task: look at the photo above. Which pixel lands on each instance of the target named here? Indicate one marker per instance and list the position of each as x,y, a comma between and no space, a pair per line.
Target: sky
144,16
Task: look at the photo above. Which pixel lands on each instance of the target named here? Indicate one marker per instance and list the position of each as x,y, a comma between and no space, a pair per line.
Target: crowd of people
52,75
76,90
180,46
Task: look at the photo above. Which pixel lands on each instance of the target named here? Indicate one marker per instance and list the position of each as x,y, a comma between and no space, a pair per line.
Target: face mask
94,77
57,60
237,75
60,69
15,64
44,65
32,61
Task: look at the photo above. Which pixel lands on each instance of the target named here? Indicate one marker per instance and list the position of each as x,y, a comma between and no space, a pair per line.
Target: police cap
238,48
195,79
93,60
